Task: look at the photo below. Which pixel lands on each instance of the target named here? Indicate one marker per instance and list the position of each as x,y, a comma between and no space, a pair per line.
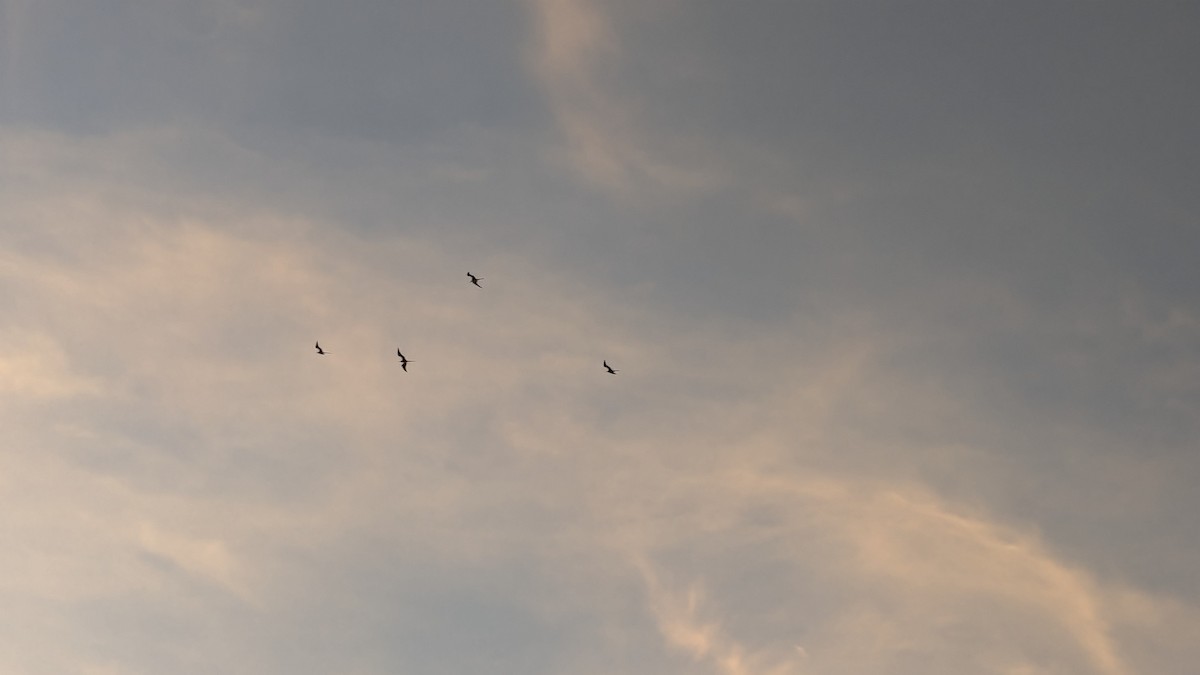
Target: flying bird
319,350
474,279
403,361
609,368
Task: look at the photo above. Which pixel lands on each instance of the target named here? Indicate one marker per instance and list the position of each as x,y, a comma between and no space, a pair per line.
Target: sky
903,298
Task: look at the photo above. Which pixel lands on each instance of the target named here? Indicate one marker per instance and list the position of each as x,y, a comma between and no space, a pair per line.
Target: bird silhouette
403,361
319,350
474,279
610,369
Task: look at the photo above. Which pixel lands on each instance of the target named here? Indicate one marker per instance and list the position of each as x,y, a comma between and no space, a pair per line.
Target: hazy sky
905,299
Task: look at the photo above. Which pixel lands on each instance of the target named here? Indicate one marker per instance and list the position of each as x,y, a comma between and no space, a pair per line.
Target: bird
610,369
403,361
319,350
474,279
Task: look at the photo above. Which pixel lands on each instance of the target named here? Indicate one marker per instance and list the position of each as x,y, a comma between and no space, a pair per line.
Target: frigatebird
609,368
319,350
474,279
403,361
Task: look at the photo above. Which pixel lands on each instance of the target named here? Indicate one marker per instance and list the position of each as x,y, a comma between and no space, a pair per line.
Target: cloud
740,553
678,615
881,578
35,368
205,557
188,470
575,55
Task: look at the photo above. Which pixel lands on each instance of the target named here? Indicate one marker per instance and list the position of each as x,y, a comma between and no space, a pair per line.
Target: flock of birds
404,361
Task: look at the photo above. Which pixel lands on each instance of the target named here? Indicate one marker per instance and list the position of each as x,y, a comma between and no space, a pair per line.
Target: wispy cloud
224,452
869,482
575,56
680,618
916,574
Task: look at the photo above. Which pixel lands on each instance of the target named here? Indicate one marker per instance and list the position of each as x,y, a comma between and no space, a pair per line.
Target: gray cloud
901,300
